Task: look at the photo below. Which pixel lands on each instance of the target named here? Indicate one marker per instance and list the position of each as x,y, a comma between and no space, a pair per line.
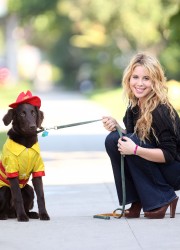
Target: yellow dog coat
19,161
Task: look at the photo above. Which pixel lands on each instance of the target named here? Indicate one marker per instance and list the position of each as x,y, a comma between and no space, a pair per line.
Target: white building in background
8,57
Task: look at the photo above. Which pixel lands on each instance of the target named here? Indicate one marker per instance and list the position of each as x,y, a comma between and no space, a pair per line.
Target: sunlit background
81,47
84,44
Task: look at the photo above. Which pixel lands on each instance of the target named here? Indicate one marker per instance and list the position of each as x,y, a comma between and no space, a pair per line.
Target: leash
45,133
114,214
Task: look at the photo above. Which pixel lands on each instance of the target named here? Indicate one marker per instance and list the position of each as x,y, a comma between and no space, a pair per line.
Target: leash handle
102,216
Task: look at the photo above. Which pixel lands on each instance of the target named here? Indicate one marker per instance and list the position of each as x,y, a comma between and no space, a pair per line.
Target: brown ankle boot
134,210
160,213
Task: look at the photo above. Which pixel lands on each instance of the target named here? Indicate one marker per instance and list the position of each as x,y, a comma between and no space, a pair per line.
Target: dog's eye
22,114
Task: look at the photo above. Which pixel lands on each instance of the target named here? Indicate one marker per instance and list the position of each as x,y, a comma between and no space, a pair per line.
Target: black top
169,140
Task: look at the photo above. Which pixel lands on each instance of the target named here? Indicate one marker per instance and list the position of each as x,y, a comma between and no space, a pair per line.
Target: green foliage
171,60
27,9
171,57
99,35
175,27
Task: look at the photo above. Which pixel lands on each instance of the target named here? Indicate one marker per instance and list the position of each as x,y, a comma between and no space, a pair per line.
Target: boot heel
160,212
173,205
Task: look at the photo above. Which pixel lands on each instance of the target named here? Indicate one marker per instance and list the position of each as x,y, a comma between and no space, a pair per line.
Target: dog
20,159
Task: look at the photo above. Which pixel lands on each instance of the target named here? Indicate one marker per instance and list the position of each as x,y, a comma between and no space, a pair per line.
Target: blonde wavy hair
158,95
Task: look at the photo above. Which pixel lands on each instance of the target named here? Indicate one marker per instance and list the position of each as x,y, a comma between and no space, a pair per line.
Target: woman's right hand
109,123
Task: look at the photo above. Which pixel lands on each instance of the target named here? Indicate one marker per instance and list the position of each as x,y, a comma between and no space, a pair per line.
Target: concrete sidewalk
79,184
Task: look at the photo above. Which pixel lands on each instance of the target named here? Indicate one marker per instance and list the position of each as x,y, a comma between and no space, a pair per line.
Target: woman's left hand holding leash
126,146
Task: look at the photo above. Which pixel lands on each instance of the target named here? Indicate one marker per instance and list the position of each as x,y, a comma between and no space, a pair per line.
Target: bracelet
135,150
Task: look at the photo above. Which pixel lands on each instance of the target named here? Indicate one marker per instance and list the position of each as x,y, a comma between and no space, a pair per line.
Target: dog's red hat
26,98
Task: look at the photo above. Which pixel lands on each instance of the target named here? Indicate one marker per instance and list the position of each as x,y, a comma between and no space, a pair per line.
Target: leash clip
45,132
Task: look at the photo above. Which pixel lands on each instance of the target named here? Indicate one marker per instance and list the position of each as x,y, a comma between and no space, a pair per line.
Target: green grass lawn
3,137
112,100
8,94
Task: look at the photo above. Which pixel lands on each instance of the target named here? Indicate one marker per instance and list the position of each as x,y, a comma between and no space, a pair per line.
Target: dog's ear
8,117
40,118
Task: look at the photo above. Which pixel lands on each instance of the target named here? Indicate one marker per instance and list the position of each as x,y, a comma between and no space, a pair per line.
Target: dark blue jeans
153,184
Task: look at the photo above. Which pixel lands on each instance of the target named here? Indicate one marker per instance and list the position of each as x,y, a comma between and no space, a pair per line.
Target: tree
90,39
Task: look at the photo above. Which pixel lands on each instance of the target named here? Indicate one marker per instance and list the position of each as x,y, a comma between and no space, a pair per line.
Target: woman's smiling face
140,83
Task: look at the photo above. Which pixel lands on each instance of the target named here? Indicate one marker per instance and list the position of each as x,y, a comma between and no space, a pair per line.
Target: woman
150,142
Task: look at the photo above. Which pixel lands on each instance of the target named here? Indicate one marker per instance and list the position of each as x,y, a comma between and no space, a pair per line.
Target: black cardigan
169,140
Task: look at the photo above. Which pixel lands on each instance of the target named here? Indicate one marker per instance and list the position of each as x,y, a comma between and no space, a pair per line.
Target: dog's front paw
22,217
33,215
3,217
44,216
